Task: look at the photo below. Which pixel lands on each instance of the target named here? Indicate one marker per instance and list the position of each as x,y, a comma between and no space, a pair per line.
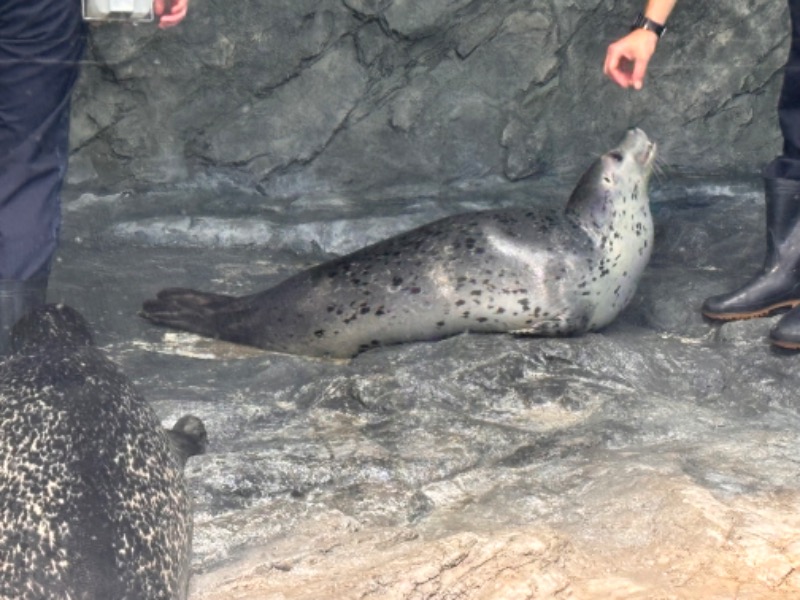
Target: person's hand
170,12
628,57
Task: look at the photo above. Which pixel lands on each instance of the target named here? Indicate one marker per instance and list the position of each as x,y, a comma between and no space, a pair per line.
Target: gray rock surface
298,97
657,458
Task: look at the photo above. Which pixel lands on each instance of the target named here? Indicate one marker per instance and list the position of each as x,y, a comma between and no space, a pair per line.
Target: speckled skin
512,270
93,503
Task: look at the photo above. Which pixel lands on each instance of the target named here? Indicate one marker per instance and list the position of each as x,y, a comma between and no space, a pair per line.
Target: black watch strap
642,22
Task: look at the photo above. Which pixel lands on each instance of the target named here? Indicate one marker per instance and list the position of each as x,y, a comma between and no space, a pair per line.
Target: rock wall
314,97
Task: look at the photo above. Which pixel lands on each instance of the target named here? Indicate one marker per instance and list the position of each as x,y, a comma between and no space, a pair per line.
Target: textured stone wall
306,97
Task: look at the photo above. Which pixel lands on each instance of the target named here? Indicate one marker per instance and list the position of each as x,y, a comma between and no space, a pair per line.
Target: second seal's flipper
188,438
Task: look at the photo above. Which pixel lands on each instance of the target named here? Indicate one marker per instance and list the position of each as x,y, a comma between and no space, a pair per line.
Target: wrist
641,22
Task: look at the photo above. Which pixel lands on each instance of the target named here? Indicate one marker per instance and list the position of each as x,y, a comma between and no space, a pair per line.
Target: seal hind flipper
193,298
187,438
186,309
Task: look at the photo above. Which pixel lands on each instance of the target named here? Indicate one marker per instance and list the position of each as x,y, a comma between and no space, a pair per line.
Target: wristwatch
642,22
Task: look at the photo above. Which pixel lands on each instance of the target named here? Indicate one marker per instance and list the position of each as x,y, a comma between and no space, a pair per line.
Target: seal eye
616,155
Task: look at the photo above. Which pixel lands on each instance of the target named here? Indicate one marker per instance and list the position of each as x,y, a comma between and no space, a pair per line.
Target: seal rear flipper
186,309
193,298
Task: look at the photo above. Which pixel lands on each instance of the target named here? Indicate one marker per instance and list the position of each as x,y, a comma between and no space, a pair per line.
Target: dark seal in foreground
93,498
512,270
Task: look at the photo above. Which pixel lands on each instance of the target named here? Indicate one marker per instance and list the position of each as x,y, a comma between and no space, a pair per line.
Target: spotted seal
93,503
511,270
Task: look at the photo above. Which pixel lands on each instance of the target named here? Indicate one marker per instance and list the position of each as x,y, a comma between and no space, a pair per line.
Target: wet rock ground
656,459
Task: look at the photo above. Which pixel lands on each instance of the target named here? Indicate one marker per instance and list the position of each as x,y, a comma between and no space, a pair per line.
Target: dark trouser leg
788,165
777,285
41,44
787,331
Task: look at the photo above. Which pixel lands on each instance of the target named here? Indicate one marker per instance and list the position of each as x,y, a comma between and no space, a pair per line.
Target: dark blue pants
788,165
41,44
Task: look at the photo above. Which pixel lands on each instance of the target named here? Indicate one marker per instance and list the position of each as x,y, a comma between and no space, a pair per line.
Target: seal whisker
660,168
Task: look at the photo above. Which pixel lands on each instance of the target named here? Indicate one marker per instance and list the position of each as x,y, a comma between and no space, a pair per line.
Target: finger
612,59
613,66
180,7
639,71
158,7
176,14
620,76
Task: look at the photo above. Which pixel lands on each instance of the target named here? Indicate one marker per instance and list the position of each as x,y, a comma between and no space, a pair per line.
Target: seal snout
649,154
640,146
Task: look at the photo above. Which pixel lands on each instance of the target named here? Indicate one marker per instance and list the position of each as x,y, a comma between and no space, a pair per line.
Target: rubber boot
17,298
786,333
777,285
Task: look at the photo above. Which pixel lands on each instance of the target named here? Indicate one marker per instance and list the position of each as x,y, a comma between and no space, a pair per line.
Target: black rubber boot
17,298
786,333
777,285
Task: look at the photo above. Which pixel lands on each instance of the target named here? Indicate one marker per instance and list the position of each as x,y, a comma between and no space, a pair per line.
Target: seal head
611,205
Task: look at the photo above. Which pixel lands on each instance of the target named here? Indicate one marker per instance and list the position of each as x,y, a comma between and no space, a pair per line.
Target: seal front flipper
554,326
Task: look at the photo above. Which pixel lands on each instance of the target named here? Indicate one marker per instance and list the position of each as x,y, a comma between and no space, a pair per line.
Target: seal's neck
608,196
591,204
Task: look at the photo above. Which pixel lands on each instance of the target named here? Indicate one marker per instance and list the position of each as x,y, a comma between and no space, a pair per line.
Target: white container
118,10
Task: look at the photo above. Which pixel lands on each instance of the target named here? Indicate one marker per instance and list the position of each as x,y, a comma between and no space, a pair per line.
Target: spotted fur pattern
93,503
509,270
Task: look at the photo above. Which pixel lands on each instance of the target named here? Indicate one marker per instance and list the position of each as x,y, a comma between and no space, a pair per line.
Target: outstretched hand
628,57
170,12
